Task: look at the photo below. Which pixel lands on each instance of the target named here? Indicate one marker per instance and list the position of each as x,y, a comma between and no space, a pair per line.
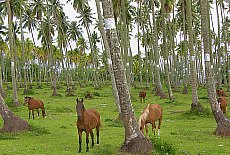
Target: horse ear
82,100
77,100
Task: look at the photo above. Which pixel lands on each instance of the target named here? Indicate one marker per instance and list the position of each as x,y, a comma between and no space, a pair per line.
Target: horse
220,92
34,104
223,104
88,119
142,95
150,114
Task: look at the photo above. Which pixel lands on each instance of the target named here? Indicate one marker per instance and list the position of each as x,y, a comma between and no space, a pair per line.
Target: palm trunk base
138,145
16,104
161,94
185,90
223,129
69,92
197,106
14,124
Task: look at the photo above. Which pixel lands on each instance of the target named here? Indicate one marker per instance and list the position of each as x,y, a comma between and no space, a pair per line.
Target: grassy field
182,132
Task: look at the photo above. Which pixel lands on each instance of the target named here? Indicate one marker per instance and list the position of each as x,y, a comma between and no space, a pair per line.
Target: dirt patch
138,145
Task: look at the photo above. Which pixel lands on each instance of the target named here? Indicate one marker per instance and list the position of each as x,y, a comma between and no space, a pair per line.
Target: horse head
26,100
141,124
79,108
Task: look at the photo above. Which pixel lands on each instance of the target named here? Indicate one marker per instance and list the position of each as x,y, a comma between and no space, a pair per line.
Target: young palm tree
133,137
223,123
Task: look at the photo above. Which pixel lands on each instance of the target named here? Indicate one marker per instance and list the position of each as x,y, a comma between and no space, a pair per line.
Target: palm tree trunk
134,139
223,123
165,51
158,87
14,84
195,103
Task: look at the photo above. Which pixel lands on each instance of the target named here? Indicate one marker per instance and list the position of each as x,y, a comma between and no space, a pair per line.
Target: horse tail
43,108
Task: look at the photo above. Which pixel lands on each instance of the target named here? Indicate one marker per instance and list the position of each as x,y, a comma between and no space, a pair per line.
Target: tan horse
150,114
87,121
34,104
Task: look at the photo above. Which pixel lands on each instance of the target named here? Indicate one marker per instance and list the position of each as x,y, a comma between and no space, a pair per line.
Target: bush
96,94
163,147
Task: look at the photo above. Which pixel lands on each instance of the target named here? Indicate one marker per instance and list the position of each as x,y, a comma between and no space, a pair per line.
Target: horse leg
97,128
153,128
29,114
38,112
159,126
87,141
80,140
33,113
147,130
43,112
92,137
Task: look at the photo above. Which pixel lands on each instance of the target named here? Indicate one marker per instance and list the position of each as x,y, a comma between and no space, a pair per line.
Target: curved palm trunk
2,91
134,139
223,123
12,123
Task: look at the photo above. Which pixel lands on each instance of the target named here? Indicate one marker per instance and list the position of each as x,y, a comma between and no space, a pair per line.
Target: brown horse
223,104
34,104
142,95
87,121
220,92
151,113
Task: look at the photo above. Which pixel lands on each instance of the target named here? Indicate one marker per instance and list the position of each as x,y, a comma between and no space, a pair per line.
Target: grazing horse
87,121
223,104
220,92
150,114
34,104
142,95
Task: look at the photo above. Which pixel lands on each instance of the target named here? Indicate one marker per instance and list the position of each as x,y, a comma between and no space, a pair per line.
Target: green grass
182,131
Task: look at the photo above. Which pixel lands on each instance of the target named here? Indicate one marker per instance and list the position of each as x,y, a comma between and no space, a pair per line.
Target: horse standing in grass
151,113
223,104
142,95
87,121
34,104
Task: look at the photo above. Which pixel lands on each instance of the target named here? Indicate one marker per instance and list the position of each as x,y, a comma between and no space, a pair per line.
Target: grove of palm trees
175,50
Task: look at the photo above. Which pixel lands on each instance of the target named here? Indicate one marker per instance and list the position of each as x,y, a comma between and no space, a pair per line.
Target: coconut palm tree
222,121
133,136
195,102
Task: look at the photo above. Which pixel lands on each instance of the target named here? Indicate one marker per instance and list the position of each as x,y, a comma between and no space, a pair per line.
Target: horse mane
144,114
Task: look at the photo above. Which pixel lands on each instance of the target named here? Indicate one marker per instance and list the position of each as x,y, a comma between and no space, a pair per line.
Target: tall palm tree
12,50
222,121
133,137
195,102
12,123
164,9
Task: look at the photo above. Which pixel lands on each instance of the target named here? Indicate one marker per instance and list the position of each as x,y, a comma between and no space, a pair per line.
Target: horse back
155,112
93,118
36,104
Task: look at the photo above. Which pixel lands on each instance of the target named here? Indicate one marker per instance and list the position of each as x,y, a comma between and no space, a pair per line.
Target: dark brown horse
87,121
34,104
142,95
220,92
151,113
